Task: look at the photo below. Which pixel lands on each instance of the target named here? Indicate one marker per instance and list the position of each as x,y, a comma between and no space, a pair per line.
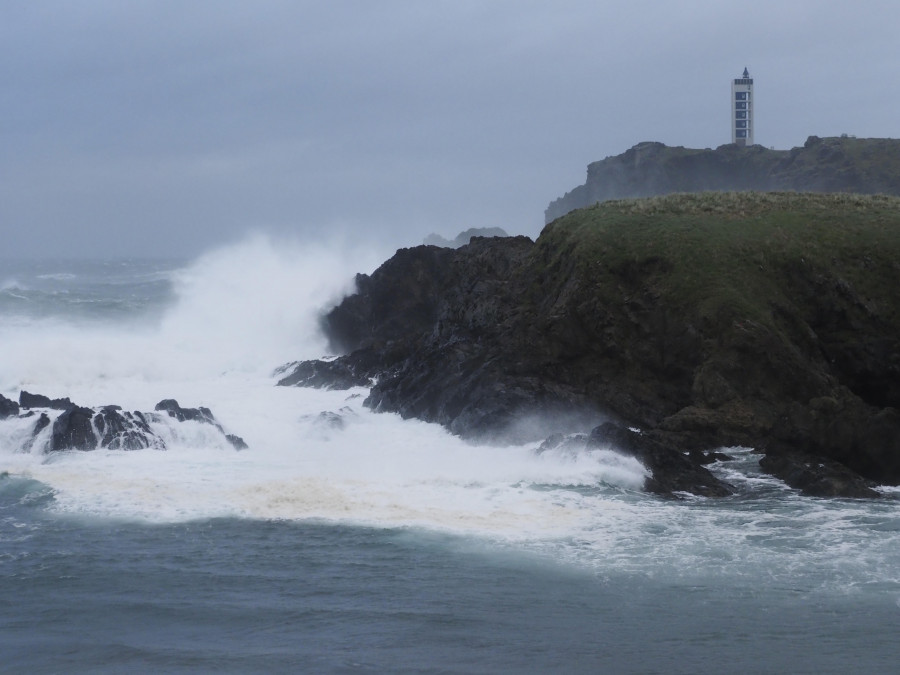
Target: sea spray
238,312
248,307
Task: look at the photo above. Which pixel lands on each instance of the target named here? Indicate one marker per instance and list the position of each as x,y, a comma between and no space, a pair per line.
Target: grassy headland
735,251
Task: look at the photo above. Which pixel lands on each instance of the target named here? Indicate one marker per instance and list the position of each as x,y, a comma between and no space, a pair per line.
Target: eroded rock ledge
763,320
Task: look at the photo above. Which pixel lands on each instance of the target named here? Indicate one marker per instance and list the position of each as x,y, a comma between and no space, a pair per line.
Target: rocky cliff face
769,321
859,165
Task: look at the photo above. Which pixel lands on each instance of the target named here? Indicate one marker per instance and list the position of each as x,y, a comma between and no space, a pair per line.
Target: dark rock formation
119,430
73,430
770,321
817,476
323,375
672,471
8,408
450,310
42,423
846,164
27,400
201,414
237,442
710,457
80,428
171,407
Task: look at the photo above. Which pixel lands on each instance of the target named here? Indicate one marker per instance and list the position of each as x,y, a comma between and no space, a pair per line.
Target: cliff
845,164
763,320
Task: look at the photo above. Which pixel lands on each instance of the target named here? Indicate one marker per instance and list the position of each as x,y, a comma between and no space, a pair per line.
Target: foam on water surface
240,312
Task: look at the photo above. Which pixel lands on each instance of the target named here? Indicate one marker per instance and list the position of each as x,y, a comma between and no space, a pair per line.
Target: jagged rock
81,428
817,476
124,431
200,414
77,429
8,408
323,375
671,471
42,423
571,445
27,400
236,442
72,430
710,457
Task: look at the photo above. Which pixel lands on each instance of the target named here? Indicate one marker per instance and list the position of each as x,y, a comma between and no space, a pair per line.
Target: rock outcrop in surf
81,428
762,320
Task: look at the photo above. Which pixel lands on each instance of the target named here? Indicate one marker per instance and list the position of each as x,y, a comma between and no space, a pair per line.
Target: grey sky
167,127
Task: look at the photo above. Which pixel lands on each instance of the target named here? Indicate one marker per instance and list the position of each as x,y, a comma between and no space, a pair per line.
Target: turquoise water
384,545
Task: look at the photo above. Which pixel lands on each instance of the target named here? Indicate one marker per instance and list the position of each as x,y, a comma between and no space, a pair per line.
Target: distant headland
837,164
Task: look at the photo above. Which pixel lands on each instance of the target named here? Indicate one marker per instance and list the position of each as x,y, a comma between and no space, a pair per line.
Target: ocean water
375,544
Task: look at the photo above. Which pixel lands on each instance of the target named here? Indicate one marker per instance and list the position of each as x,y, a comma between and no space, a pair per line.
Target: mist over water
234,315
211,333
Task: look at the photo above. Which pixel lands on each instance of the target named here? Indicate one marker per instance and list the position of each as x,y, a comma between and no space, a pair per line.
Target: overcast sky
169,127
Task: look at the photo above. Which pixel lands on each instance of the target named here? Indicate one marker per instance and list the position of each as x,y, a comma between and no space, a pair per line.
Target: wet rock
791,347
709,457
8,408
124,431
324,375
671,471
27,400
201,414
817,476
236,442
82,428
43,421
567,443
73,430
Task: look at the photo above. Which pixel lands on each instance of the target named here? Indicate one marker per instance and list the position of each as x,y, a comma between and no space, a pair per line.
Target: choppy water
378,545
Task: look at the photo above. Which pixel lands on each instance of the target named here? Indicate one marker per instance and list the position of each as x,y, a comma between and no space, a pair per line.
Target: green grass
729,252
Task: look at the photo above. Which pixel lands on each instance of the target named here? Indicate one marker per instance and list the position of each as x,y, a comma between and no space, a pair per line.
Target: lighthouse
742,110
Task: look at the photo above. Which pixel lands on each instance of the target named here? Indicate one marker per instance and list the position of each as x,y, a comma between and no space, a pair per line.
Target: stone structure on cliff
859,165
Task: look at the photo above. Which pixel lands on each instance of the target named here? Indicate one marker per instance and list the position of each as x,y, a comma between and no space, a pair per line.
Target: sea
360,542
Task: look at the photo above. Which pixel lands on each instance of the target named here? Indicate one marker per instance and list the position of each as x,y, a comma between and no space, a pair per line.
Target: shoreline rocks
110,427
707,321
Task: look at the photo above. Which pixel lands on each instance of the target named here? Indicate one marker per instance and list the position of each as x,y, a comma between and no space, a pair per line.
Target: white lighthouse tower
742,110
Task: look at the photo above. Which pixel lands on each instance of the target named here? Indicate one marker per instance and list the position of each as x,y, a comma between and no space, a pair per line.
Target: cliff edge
845,164
768,320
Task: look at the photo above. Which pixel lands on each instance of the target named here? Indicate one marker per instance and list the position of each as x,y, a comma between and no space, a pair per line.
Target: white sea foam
240,312
244,310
